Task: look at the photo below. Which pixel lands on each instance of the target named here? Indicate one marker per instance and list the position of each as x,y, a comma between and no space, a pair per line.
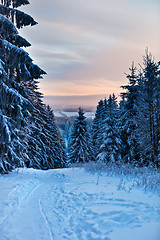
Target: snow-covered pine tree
22,110
149,110
123,129
14,108
128,122
20,72
56,146
157,117
97,126
109,151
105,109
80,148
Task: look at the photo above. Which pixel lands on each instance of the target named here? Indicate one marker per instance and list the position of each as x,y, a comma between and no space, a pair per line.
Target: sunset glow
86,46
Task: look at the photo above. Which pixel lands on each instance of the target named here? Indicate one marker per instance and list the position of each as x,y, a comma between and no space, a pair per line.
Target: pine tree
130,146
97,126
109,151
80,149
149,114
26,137
57,146
123,129
14,107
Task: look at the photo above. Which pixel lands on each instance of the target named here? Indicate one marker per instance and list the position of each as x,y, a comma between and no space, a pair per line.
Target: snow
7,24
75,205
73,114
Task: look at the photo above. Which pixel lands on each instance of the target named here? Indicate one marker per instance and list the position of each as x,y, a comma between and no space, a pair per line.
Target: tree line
124,132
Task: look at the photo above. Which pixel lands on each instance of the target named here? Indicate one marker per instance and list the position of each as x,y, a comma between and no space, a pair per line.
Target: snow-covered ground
72,204
72,114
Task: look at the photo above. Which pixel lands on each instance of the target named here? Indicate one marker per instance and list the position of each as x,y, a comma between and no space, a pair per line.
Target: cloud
86,46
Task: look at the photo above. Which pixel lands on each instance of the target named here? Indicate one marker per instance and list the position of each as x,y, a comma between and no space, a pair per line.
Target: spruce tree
14,107
80,148
149,110
97,126
25,138
56,146
109,151
130,146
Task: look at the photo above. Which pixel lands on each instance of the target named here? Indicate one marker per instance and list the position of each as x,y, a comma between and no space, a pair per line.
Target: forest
122,132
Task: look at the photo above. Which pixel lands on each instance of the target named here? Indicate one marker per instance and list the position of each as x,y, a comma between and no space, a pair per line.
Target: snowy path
69,204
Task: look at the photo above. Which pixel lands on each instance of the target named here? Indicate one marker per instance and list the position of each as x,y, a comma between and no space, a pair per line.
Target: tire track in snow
16,198
10,203
14,189
32,192
45,220
26,193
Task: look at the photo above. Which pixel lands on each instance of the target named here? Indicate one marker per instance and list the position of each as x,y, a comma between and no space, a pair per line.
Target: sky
85,46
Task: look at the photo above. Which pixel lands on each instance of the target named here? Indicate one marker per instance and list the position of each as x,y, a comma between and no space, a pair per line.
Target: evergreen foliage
149,114
97,127
110,148
131,131
129,150
80,147
28,133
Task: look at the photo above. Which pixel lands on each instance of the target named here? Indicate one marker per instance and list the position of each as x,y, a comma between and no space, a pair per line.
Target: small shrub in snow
147,178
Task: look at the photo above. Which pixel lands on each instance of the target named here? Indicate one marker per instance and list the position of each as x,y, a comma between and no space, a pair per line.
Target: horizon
74,101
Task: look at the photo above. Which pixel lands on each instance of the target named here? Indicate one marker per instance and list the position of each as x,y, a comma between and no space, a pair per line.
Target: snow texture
6,26
73,204
59,113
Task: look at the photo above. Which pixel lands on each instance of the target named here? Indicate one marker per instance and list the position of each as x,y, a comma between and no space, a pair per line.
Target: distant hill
71,103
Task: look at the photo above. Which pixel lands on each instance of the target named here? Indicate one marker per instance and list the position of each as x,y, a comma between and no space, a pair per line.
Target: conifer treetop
81,114
14,3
